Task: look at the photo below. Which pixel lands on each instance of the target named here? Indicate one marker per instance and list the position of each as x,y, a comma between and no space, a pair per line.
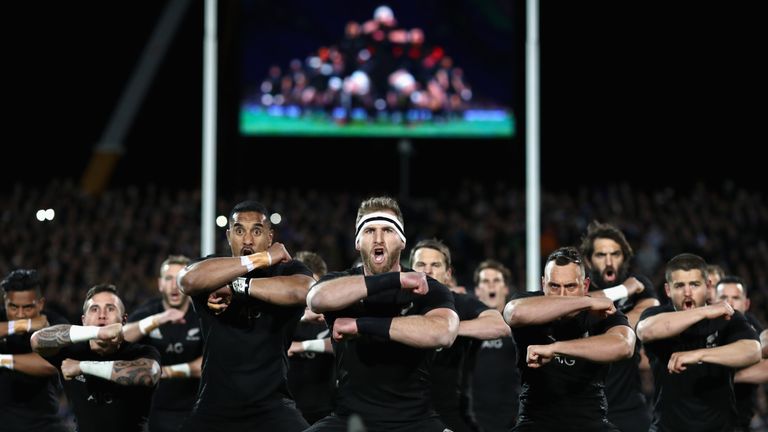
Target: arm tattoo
54,337
142,372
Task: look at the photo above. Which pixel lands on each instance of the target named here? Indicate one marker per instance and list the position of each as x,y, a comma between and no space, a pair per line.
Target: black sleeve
617,319
525,294
468,307
648,292
136,351
439,296
739,328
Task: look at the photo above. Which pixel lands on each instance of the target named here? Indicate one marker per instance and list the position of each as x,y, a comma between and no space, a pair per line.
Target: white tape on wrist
616,293
6,361
269,259
83,333
11,327
181,368
147,325
101,369
29,325
246,262
314,345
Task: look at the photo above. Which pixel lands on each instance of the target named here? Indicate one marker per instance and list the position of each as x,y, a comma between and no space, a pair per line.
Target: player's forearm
604,348
739,354
489,325
51,339
755,374
207,276
30,364
183,370
131,332
542,309
668,324
139,372
281,290
764,343
336,293
423,331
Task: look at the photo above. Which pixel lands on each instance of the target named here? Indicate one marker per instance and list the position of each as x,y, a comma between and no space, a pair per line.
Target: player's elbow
503,331
34,342
753,353
512,315
644,331
155,371
447,334
627,346
317,299
188,281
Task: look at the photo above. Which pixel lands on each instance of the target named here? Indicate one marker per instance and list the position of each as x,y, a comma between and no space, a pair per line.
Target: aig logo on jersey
193,334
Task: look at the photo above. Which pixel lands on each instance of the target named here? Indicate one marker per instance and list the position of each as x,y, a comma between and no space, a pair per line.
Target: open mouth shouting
609,274
379,255
688,303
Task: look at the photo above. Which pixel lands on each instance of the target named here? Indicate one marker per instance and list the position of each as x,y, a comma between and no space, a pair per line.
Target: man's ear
667,290
587,281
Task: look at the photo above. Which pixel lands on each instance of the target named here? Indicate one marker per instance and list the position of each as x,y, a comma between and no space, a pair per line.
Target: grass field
256,121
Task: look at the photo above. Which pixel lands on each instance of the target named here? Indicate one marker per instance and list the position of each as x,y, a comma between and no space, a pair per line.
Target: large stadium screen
360,68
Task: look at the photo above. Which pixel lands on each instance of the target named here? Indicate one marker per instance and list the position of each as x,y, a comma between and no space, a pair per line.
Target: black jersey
701,398
177,343
245,358
567,393
496,384
311,377
627,407
449,371
746,394
28,403
382,380
99,403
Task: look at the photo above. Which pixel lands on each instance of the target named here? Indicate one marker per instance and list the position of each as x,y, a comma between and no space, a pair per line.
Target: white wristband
269,258
246,262
147,324
101,369
11,327
83,333
6,361
616,293
314,345
181,368
29,325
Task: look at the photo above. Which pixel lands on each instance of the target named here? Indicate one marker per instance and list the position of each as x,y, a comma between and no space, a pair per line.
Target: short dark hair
731,279
432,244
685,262
313,261
597,230
566,255
495,265
100,288
22,280
249,206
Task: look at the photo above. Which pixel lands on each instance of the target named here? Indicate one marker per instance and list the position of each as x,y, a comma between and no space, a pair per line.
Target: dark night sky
624,85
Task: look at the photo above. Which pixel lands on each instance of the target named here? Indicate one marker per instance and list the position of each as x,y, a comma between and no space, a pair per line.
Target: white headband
382,218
